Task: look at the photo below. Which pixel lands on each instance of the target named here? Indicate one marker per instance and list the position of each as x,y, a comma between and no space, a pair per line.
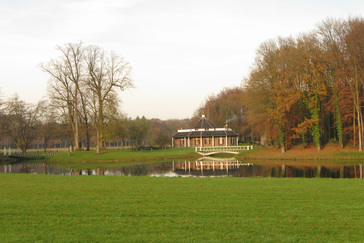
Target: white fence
224,148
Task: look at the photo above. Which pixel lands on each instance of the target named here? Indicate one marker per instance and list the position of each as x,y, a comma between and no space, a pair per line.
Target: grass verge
330,153
6,159
133,209
125,156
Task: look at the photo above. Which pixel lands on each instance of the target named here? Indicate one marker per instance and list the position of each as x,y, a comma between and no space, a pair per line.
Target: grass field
330,152
126,156
133,209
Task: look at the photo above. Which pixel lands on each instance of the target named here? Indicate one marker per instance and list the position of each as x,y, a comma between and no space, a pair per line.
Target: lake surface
198,168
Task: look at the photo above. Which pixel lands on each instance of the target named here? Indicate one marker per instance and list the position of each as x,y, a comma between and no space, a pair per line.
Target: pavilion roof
204,128
206,133
204,123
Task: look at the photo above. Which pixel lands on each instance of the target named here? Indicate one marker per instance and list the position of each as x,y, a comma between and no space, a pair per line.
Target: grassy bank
125,156
77,208
331,153
6,159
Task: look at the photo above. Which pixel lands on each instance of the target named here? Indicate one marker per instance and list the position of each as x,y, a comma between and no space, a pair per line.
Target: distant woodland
303,90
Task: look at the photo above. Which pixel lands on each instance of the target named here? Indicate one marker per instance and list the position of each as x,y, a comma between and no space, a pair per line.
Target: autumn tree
330,32
161,133
314,75
118,128
272,86
302,85
354,68
224,108
139,131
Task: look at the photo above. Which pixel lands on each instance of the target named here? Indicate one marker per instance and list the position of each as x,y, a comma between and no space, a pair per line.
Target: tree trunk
76,131
45,144
360,124
316,126
339,127
98,141
99,126
359,131
87,138
282,140
354,128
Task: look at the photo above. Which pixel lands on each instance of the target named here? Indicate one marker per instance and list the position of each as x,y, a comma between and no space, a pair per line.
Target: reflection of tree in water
319,171
23,168
138,170
135,170
160,168
35,167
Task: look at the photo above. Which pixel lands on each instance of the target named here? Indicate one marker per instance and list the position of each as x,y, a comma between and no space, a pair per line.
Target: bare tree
2,118
48,126
107,73
85,115
21,121
64,85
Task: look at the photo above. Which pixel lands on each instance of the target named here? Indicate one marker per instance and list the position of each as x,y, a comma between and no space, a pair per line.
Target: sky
181,51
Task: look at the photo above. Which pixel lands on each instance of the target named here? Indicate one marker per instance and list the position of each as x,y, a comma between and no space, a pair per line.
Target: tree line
37,126
301,90
82,108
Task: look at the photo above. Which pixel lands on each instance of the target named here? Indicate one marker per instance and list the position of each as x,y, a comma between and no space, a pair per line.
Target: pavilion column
237,141
189,142
226,141
213,141
184,142
201,144
172,142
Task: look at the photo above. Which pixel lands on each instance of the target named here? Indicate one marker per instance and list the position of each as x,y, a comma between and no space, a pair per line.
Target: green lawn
133,209
330,155
126,156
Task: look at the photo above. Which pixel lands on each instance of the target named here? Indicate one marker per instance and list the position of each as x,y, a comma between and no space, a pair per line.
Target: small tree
21,121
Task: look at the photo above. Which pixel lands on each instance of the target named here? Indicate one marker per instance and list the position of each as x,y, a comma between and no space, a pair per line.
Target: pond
205,167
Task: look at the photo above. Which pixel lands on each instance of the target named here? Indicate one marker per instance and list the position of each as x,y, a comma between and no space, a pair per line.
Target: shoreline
297,154
330,152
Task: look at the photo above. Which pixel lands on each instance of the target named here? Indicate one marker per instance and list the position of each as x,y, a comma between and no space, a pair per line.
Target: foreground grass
87,208
125,156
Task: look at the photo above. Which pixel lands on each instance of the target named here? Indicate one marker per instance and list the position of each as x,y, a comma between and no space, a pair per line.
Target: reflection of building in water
208,167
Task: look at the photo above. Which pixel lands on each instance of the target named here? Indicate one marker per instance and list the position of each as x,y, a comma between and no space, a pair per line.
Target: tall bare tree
65,80
2,118
107,73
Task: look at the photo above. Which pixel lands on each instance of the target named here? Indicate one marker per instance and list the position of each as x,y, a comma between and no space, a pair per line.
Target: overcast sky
181,51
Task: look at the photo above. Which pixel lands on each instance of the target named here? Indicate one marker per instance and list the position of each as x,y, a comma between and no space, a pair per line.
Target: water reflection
199,168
